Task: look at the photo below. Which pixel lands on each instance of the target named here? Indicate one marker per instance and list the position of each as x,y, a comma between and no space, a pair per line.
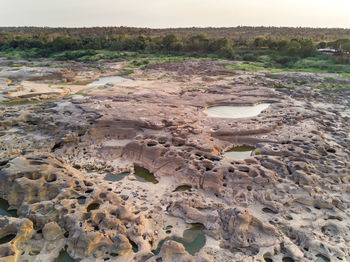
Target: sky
175,13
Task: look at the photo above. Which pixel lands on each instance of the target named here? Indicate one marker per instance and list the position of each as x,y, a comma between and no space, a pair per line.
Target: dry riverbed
97,166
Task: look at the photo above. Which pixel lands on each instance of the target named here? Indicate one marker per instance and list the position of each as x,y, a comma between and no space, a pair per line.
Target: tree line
46,44
237,33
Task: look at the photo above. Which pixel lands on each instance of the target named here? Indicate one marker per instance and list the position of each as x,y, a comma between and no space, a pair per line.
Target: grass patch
16,65
302,82
138,63
162,77
270,61
279,85
330,79
332,86
275,62
142,63
126,72
250,67
26,102
254,67
257,152
139,59
320,64
346,75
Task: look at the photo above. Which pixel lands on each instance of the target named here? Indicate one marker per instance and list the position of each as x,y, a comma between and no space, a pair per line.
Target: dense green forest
268,52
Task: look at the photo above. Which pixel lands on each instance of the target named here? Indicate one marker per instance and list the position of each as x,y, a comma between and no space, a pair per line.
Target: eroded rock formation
289,200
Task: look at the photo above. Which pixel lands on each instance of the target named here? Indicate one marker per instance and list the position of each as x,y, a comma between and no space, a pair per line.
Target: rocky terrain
64,146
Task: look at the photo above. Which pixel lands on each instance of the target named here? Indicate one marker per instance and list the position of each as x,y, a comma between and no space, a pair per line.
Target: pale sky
175,13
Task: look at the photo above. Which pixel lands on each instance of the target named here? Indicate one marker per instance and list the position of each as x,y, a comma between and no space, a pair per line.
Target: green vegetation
279,85
247,67
276,60
332,86
346,75
321,64
257,152
25,102
85,48
126,72
142,60
197,89
268,54
316,64
16,65
330,79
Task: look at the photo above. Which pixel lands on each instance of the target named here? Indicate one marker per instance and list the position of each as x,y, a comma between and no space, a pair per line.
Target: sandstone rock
52,231
174,252
289,200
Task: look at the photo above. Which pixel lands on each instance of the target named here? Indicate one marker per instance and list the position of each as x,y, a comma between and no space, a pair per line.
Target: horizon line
162,28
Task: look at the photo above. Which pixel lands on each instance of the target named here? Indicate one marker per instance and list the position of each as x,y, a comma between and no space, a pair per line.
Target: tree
198,43
346,46
217,44
282,45
118,43
62,43
293,48
322,45
307,48
272,44
141,42
169,42
227,52
259,42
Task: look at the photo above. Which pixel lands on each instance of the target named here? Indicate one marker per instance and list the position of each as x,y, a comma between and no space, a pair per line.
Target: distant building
328,51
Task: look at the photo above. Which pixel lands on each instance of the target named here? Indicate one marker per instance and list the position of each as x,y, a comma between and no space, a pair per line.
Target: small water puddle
114,178
93,206
143,175
109,79
134,247
65,257
287,259
7,239
239,153
322,258
15,61
78,96
4,209
182,188
81,200
236,111
193,240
